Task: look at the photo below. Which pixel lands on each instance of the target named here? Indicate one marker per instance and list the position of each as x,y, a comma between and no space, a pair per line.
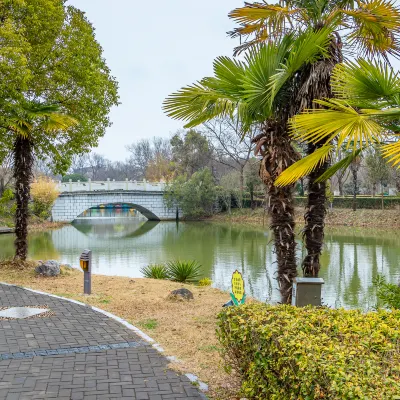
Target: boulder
48,268
181,295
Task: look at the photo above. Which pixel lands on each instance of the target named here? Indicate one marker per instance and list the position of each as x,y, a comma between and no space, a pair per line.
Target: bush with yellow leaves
44,193
288,353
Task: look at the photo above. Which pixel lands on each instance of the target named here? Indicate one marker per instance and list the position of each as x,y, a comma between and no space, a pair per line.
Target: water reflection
351,259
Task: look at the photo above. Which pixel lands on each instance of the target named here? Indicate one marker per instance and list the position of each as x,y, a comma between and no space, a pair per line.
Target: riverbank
335,217
185,330
34,225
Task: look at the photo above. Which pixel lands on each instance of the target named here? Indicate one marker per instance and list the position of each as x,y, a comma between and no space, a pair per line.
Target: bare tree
6,172
98,163
231,145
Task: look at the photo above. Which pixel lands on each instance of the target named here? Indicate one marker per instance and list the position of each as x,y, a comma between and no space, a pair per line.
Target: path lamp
85,261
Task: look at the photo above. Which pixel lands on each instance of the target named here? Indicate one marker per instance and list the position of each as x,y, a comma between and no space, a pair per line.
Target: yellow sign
238,287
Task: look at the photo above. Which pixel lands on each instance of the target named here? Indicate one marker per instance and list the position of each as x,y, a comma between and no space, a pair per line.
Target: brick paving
78,353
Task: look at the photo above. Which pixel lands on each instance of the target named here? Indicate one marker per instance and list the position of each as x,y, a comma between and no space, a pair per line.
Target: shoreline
363,218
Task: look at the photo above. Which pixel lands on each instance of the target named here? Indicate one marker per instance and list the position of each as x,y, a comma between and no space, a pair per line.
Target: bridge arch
152,205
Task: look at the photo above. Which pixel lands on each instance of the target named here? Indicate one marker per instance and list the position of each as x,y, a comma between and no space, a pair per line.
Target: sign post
85,261
238,293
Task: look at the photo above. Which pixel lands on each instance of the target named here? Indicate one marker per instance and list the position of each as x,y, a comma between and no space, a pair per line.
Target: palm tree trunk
23,171
314,218
278,154
315,83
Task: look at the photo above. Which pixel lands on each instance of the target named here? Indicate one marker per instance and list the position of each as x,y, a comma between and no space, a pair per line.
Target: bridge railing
110,185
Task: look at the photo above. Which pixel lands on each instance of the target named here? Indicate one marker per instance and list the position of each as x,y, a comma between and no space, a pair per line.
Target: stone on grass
181,295
48,268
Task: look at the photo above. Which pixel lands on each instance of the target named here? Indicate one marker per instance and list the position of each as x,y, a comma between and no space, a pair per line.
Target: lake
123,243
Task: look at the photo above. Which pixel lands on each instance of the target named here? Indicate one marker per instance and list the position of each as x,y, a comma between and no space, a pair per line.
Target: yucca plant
363,27
155,271
184,271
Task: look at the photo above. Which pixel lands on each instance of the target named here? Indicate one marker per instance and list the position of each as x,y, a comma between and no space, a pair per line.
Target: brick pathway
78,353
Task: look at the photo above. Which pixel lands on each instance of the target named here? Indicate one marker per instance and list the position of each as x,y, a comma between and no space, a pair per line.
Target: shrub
74,178
205,282
44,193
388,293
287,353
373,203
184,271
157,271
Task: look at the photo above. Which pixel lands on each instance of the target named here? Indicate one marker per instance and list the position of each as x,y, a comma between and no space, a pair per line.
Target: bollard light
85,262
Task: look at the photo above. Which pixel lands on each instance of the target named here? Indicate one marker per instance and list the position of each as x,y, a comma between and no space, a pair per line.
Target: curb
193,378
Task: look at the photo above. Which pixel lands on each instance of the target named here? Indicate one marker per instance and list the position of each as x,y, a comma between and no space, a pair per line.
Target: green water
121,246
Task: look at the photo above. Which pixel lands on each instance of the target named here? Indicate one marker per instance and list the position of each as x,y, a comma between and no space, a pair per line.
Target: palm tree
26,124
257,91
365,113
368,27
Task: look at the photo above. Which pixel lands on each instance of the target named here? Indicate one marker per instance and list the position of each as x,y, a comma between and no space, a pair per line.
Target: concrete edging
193,378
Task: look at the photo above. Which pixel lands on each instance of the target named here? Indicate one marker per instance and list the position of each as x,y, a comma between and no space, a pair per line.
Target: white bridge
146,197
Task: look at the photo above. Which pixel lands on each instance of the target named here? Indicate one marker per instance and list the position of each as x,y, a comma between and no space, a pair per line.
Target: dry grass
336,217
184,329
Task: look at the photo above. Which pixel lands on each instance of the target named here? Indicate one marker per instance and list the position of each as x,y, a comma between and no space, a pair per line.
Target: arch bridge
147,198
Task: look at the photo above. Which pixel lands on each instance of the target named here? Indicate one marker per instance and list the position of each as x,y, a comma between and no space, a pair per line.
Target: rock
48,268
181,295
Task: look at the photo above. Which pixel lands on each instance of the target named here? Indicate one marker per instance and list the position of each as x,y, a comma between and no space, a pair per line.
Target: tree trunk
23,172
355,188
340,184
242,184
314,218
252,205
278,154
373,189
315,83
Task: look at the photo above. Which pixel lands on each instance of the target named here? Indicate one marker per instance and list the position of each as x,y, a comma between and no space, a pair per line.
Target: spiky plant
155,271
184,271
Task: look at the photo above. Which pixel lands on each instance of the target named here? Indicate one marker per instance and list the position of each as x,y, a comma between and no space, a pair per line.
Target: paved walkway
78,353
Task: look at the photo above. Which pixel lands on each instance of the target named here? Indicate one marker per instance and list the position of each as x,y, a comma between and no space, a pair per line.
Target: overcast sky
154,48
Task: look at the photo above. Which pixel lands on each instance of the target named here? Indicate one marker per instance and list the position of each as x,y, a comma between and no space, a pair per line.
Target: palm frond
366,81
263,62
304,167
306,49
337,120
342,164
257,17
392,153
212,97
197,104
58,121
376,27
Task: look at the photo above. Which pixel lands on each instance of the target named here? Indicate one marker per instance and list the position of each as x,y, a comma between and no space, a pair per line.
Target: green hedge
374,203
288,353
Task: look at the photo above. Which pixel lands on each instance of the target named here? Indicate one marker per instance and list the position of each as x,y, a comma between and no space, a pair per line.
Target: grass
184,329
148,324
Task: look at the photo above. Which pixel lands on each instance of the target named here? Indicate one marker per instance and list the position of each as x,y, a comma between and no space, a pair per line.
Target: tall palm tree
365,112
363,27
26,124
258,90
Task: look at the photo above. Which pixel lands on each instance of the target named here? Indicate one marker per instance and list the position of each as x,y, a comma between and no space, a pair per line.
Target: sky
153,48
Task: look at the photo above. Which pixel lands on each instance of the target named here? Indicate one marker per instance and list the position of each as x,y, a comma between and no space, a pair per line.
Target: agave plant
184,271
156,271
